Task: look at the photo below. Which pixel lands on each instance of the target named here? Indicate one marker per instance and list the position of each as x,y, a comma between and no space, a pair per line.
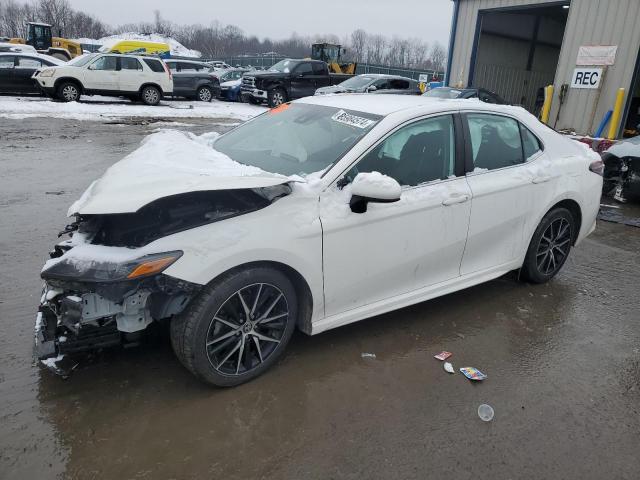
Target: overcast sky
428,20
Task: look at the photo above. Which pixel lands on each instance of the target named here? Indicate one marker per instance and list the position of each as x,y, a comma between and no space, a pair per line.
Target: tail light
597,167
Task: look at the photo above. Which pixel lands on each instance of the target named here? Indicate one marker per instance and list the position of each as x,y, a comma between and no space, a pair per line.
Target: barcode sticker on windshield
352,120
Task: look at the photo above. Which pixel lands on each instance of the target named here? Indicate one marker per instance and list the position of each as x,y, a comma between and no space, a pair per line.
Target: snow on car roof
48,58
385,104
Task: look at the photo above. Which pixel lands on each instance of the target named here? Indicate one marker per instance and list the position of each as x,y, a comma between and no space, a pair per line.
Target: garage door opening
516,51
632,114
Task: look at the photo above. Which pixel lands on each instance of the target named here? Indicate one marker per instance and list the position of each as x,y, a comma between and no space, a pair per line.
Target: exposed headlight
73,269
47,72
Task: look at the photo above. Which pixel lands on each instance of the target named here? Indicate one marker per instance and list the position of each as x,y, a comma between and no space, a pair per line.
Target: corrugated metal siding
590,22
513,84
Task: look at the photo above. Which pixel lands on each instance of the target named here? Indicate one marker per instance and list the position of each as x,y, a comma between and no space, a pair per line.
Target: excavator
332,55
39,37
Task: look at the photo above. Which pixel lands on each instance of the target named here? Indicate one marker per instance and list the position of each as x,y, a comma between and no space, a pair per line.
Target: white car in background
136,77
313,215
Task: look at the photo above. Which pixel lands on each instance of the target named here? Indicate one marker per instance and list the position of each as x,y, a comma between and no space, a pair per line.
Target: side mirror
372,88
91,67
373,187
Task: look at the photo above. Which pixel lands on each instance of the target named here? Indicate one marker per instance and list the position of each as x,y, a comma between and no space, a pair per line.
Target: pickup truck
287,80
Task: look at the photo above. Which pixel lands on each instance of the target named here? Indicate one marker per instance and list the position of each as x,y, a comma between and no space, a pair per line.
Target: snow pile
176,47
106,108
168,163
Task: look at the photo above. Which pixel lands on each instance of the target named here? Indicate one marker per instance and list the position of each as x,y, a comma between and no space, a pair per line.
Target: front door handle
453,200
541,179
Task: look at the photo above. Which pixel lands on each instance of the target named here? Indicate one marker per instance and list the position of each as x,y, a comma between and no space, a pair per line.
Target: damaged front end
622,170
106,283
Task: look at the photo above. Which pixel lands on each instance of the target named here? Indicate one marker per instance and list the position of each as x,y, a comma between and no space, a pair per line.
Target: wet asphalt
562,359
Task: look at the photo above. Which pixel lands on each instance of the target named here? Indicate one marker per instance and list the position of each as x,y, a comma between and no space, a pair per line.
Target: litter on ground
473,373
485,412
443,355
448,367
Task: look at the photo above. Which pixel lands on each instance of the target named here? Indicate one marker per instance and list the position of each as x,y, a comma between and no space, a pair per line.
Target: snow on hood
332,89
232,83
625,148
168,163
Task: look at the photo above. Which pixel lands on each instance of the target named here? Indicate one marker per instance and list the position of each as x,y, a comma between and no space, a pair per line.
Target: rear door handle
453,200
541,179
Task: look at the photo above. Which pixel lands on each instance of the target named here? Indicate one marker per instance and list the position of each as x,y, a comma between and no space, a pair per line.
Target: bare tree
438,57
358,45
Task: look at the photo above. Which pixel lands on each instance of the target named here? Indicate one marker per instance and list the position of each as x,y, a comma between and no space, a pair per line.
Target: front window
283,66
421,152
105,63
296,139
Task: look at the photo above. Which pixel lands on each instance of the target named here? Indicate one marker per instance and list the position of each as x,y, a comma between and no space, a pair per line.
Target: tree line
219,40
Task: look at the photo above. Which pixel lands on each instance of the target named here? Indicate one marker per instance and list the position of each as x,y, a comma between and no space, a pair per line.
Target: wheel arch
61,80
303,290
150,84
575,210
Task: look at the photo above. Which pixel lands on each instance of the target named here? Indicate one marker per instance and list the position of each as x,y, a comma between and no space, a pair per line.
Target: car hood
626,148
168,163
337,89
266,74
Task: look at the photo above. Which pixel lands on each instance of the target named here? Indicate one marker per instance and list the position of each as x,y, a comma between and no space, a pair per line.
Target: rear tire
276,97
550,246
237,327
68,92
150,95
205,94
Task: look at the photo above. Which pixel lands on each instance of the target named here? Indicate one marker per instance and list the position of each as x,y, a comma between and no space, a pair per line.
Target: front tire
205,94
276,97
150,95
68,92
550,246
237,327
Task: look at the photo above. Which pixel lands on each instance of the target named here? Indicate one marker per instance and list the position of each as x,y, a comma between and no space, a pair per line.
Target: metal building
516,47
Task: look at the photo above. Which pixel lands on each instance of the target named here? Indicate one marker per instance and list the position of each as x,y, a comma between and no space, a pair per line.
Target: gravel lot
563,361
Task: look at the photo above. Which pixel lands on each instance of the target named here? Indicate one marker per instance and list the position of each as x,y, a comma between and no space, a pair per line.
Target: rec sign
586,78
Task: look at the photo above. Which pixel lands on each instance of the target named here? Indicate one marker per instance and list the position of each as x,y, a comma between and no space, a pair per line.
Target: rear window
154,65
129,63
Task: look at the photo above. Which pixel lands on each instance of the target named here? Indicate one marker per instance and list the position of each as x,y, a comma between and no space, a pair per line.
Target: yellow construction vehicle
332,55
39,37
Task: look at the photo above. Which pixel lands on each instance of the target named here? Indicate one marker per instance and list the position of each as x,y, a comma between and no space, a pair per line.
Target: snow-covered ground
99,108
176,47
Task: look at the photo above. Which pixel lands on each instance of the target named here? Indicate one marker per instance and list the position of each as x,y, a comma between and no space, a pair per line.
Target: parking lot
562,359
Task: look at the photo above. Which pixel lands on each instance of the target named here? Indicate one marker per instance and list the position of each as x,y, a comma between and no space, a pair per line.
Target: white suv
132,76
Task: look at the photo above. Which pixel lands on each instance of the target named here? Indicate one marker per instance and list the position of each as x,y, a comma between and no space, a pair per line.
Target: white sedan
313,215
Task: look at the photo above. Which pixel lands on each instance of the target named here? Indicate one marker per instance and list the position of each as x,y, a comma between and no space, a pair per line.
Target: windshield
296,139
355,83
81,60
284,66
443,93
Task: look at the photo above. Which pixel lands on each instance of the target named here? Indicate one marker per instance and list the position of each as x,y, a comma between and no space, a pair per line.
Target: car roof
383,75
385,104
39,56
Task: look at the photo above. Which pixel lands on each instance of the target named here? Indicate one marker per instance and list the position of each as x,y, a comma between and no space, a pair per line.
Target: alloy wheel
247,329
151,95
554,246
204,95
278,99
70,93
